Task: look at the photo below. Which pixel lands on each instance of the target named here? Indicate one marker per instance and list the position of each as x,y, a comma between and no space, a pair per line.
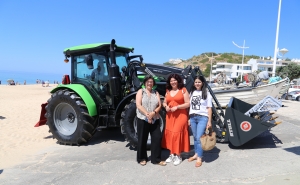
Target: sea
30,77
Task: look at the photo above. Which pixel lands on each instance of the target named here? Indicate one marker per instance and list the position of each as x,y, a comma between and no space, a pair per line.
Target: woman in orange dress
176,135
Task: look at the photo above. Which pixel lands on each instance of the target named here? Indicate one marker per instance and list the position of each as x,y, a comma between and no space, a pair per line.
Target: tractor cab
91,66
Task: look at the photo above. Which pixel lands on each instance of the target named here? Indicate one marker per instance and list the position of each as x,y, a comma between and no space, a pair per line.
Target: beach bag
208,140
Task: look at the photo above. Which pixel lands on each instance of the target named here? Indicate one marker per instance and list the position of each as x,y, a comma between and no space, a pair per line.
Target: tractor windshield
92,70
121,60
95,74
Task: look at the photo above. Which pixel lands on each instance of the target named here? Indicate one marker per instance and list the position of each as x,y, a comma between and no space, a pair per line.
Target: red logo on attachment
246,126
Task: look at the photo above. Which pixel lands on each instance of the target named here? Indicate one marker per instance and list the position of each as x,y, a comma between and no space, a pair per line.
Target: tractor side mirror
124,69
89,61
141,59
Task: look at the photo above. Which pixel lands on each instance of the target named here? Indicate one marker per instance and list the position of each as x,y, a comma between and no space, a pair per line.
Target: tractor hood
160,70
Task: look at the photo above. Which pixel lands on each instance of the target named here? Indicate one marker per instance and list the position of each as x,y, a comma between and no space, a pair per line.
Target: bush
209,54
204,60
292,70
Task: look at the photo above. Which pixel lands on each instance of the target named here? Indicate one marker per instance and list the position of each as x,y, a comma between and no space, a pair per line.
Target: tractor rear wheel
129,123
68,118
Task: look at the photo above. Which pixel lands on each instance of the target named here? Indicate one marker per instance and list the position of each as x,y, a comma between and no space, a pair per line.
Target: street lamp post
212,55
276,40
243,47
283,51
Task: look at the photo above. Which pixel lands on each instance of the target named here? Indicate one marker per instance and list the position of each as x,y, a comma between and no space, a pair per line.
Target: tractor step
99,128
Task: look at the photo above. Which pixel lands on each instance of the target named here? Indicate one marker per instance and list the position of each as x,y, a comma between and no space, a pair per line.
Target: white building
266,65
175,61
233,70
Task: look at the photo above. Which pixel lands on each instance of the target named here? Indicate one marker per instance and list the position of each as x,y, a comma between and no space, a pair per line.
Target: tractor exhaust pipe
115,77
112,51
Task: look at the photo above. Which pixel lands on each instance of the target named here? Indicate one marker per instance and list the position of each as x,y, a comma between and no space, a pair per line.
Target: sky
34,33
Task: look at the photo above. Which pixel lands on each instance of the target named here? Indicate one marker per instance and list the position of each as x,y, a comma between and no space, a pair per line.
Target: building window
269,69
237,74
247,67
221,66
261,68
269,62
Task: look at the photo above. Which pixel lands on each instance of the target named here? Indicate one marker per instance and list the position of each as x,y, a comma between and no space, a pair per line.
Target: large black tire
129,121
68,118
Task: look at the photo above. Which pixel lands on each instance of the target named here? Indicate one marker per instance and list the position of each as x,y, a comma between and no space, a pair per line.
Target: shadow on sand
295,150
208,156
48,137
1,117
1,171
109,136
264,140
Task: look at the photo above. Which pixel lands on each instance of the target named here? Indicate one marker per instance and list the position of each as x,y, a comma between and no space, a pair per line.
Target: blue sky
34,33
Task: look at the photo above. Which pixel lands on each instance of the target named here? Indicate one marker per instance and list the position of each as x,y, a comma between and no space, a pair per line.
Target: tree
206,72
292,70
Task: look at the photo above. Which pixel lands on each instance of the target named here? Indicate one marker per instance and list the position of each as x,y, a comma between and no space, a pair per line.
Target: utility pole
276,40
212,57
243,47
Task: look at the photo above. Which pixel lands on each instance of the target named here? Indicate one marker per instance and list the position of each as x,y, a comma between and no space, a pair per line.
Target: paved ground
271,158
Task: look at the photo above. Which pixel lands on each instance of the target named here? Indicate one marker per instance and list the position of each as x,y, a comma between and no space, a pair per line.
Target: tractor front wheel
68,118
129,123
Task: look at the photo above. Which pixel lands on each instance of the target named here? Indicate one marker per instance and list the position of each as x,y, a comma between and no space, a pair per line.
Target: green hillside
204,60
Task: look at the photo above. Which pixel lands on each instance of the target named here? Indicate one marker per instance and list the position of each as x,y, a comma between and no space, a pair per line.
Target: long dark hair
203,88
179,81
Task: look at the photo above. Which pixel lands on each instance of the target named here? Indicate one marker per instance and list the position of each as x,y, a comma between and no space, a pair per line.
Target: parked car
290,94
296,96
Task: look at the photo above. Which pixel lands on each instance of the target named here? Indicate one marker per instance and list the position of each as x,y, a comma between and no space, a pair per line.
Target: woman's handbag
208,140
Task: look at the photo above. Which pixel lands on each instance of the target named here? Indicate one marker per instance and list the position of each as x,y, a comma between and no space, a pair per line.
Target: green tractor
100,93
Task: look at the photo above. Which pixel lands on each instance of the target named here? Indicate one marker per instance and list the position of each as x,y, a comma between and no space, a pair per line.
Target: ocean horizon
30,77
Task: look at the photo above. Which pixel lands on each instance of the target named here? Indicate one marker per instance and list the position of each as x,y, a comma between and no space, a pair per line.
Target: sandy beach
20,108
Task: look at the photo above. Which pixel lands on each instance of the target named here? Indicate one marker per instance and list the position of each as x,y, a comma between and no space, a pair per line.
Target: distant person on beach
0,82
24,82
